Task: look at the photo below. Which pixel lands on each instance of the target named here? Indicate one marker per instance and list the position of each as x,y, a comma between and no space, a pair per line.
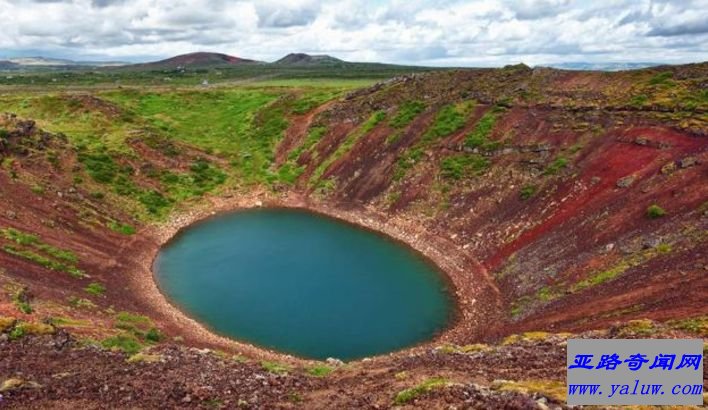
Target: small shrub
662,79
654,211
154,202
639,100
144,358
121,228
81,303
16,333
95,289
456,167
21,301
664,248
153,335
275,367
697,325
38,329
123,342
320,370
408,395
527,191
558,164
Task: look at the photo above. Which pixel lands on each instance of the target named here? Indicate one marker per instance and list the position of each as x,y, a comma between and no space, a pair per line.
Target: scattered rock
15,384
334,362
61,339
668,168
10,214
688,162
651,242
626,181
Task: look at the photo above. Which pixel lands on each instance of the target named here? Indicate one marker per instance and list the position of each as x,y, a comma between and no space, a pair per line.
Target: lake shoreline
466,286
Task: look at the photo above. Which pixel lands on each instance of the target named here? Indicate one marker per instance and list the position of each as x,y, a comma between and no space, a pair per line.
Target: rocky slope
556,201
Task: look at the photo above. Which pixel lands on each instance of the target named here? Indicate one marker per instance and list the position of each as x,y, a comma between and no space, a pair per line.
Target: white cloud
449,32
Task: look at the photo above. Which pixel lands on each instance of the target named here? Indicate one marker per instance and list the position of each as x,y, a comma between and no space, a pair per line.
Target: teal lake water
303,284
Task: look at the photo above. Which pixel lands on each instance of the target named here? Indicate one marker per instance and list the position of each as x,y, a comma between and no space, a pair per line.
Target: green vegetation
620,267
249,76
639,100
314,135
554,167
37,189
408,395
30,247
345,146
654,211
638,327
95,289
313,100
81,303
153,335
20,299
663,79
275,367
479,136
320,370
406,113
144,358
463,165
546,294
121,228
696,325
22,329
449,119
527,191
136,332
289,172
124,343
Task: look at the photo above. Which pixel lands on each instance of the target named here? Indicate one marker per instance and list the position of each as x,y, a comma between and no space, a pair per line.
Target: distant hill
8,65
307,59
585,66
194,60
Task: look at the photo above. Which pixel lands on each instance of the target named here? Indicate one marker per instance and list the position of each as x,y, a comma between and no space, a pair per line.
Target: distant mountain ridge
206,60
39,61
307,59
586,66
199,59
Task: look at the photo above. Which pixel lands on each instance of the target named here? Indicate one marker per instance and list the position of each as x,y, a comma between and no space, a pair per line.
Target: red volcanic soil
630,153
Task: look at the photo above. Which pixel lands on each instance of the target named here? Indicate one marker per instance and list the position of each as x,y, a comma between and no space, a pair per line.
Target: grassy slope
235,129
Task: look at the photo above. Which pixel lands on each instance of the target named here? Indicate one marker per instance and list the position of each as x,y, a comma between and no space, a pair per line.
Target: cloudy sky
442,32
